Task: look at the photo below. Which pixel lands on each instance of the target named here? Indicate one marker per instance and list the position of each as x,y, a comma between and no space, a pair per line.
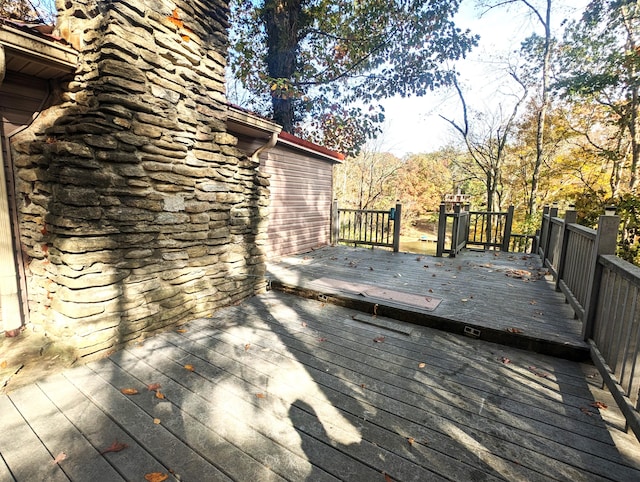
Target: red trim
38,29
285,136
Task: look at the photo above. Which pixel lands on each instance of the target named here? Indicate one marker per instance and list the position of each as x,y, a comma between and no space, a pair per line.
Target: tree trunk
283,22
542,114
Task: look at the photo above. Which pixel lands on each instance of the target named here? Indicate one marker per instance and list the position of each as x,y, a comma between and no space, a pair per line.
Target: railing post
605,243
570,217
396,227
455,234
335,223
442,229
506,239
543,233
553,212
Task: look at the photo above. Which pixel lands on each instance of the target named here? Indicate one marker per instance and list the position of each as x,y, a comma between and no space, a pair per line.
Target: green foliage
313,64
599,63
628,208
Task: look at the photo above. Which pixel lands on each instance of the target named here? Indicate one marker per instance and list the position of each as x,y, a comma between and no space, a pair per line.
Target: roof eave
55,55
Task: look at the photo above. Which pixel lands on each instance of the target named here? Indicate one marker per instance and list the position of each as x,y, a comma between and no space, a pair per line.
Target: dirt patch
29,357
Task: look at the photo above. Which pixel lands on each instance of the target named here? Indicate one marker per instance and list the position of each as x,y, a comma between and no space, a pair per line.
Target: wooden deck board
99,429
81,460
286,388
23,451
387,392
485,291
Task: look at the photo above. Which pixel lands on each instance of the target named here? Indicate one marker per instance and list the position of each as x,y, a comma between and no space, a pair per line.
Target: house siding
301,187
21,98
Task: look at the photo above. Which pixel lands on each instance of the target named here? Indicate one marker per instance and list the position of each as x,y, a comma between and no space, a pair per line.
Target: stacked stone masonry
136,211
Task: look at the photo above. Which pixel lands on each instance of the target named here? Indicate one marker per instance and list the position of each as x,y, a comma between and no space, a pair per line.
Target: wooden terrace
283,387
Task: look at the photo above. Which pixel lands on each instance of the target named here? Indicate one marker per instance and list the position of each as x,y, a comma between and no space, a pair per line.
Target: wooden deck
505,298
282,387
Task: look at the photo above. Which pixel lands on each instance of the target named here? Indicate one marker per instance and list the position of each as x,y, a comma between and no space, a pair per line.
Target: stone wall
136,210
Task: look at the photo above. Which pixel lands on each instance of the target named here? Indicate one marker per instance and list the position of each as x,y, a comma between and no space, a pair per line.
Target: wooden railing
473,229
615,341
603,291
366,227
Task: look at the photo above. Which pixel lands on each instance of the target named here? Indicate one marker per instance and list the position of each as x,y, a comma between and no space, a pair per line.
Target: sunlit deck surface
282,387
506,297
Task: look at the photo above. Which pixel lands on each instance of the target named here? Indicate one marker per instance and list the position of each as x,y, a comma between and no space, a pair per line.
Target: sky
413,124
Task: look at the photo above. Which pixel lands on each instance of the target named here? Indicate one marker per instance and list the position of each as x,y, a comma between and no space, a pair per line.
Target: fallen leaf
304,324
3,365
599,405
586,411
505,360
387,477
375,309
160,395
156,477
422,365
59,458
190,368
322,339
247,346
181,330
537,373
156,421
411,440
430,290
129,391
378,339
114,447
153,387
533,302
362,385
261,395
514,330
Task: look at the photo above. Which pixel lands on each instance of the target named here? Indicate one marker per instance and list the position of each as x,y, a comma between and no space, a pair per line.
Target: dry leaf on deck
378,339
422,365
156,421
181,330
505,360
322,339
411,440
59,458
304,324
3,365
153,387
114,447
159,395
514,330
247,346
190,368
261,395
129,391
586,411
387,477
156,477
599,405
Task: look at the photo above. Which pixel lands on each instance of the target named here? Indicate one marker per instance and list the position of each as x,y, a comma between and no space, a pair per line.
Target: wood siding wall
20,98
301,192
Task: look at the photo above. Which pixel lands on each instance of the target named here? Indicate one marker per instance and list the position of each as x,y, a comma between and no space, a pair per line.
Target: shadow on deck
498,297
286,388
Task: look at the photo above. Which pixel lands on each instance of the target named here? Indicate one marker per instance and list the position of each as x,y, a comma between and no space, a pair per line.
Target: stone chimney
136,210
